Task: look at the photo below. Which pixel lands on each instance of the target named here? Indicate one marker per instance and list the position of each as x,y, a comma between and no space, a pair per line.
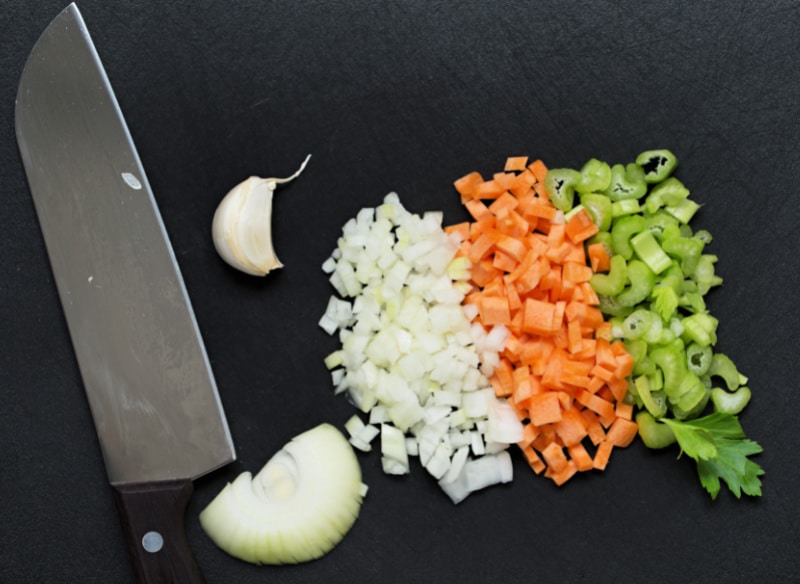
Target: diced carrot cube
624,411
571,427
542,193
590,297
539,170
595,384
618,387
597,404
580,456
622,432
482,246
504,262
522,393
503,202
593,427
580,227
484,272
514,300
599,258
562,476
536,463
502,380
545,408
512,246
477,209
605,356
602,373
624,365
554,456
467,184
576,273
504,180
538,317
574,336
602,455
515,163
529,434
494,310
488,190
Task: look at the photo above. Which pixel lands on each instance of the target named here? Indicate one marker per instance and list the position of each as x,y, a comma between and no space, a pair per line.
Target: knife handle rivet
152,542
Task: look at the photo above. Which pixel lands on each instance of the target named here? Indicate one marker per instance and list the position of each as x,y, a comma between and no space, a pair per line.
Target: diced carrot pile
530,271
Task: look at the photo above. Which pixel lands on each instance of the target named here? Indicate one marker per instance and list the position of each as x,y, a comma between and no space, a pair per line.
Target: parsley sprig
718,444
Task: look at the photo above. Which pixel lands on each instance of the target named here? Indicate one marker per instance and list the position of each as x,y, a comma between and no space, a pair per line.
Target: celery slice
624,207
638,323
704,274
627,182
730,403
609,305
693,392
657,164
700,328
656,408
687,249
659,221
560,184
613,282
698,358
722,366
600,209
672,362
642,280
648,250
670,192
595,177
622,230
653,434
683,211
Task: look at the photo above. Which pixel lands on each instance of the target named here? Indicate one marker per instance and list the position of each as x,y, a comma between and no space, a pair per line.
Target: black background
407,97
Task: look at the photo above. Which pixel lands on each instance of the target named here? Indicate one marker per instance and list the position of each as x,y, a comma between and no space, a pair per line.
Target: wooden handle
152,517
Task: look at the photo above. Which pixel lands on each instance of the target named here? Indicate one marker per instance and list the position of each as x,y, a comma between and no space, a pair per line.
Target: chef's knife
147,377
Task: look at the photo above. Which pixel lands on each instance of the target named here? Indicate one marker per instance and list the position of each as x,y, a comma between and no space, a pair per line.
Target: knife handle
152,517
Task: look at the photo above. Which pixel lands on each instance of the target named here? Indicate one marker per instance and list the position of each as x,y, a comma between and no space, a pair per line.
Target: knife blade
148,380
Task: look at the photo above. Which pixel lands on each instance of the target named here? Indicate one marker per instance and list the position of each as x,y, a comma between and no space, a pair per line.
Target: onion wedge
296,509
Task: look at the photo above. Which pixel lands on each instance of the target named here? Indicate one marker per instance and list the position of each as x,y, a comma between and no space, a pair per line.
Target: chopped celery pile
653,290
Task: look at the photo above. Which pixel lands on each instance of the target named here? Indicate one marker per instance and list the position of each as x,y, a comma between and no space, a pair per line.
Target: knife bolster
152,518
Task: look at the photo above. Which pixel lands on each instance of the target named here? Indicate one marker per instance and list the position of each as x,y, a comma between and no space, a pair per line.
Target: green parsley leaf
732,466
665,302
718,444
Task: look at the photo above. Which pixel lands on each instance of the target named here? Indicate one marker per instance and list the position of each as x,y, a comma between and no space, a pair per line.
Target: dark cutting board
407,97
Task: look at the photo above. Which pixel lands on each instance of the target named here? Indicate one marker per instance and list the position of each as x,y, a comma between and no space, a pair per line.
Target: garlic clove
242,225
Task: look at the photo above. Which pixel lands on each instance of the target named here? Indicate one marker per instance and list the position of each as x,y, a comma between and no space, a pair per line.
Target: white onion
478,474
409,358
393,450
361,434
301,504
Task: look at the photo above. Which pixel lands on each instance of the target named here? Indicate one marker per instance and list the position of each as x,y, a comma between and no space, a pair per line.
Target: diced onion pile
409,357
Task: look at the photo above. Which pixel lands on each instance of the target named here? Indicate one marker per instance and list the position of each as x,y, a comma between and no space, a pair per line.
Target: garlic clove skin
242,225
